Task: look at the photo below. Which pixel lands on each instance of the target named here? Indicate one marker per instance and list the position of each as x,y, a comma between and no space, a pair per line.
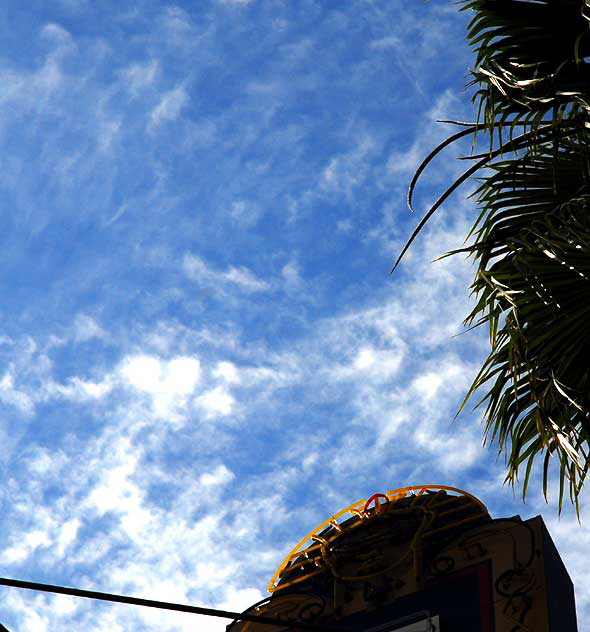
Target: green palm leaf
531,239
532,246
530,58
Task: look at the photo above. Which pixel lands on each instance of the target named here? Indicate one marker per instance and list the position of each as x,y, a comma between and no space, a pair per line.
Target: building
425,558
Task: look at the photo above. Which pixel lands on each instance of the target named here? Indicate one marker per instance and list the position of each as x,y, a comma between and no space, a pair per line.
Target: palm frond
512,145
522,190
531,238
536,301
530,58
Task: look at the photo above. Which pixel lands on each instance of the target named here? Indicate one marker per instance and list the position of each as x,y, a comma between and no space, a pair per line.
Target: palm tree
531,239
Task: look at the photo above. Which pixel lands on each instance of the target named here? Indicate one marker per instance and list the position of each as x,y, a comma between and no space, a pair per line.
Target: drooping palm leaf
525,189
536,301
524,140
532,247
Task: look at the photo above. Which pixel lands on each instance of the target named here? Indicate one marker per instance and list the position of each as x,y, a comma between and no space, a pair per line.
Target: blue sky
202,352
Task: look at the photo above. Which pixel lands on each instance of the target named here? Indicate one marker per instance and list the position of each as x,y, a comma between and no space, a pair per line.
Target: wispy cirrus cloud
202,355
238,277
138,76
169,108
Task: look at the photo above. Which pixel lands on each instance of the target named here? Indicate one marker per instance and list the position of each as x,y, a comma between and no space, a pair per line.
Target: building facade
422,559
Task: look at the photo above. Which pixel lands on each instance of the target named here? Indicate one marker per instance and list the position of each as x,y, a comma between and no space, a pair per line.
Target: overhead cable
166,605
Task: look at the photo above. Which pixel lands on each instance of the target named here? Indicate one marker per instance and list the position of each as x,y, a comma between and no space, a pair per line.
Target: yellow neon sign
313,542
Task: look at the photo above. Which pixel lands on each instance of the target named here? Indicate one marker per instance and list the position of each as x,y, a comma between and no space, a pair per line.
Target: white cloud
13,396
118,491
67,535
142,372
41,461
144,552
244,212
364,359
369,362
151,375
86,328
427,385
64,604
108,131
346,172
138,77
75,389
169,108
216,402
219,476
390,41
227,371
197,270
291,273
245,279
168,382
178,25
28,542
57,34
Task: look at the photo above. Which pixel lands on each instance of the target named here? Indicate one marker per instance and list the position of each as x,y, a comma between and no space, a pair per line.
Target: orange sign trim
313,541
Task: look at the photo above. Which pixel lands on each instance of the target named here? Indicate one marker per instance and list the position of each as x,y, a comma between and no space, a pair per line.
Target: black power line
166,605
